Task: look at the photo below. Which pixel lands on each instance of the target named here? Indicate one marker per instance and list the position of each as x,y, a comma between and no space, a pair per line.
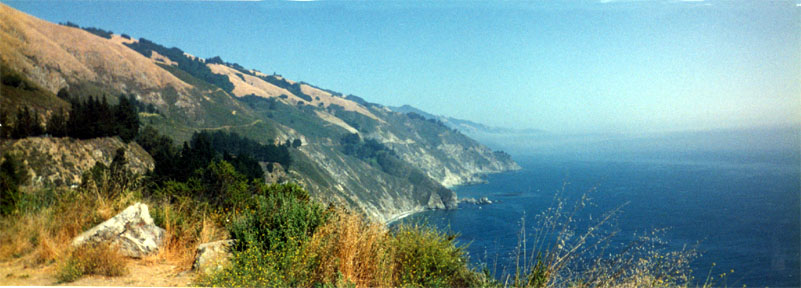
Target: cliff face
62,161
445,155
355,153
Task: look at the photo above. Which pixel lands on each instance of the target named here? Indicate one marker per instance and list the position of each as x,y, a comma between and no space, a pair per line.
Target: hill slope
353,152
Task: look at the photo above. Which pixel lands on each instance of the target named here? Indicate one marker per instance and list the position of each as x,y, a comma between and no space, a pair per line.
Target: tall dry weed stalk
352,250
572,249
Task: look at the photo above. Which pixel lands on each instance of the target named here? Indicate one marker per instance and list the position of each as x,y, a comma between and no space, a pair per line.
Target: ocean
742,212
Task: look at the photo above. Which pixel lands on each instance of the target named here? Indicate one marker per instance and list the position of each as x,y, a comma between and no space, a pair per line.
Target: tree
5,126
296,143
105,127
57,124
164,153
223,185
26,125
63,94
127,120
120,178
12,175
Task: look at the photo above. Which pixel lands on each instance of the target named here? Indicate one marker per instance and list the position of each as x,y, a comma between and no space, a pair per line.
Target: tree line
91,118
97,31
181,164
193,66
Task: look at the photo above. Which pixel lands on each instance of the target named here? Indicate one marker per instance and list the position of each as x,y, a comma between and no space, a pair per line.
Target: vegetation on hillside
92,118
191,65
242,153
93,30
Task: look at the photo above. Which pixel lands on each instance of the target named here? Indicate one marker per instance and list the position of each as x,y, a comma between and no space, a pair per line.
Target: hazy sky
569,66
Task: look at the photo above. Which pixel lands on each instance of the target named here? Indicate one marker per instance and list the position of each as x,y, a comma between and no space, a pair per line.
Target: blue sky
560,66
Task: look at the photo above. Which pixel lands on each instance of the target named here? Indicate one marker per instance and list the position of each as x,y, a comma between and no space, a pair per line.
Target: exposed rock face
446,155
132,231
211,257
61,161
480,201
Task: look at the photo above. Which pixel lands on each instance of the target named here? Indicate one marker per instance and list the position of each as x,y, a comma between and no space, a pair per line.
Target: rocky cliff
62,161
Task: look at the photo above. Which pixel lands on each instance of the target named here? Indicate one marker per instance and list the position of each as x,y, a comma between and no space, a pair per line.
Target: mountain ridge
420,159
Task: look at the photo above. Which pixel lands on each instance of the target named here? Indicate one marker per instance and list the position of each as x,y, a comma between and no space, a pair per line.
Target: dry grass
32,45
45,235
100,259
186,224
352,250
42,232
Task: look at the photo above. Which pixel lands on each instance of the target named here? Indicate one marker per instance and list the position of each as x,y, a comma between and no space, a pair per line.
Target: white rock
132,231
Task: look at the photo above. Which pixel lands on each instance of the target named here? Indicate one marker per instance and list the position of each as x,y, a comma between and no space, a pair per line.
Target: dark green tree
57,124
223,185
63,94
5,126
164,153
12,175
26,125
126,119
105,128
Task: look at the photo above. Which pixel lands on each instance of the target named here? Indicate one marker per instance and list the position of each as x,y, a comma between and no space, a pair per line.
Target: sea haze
741,206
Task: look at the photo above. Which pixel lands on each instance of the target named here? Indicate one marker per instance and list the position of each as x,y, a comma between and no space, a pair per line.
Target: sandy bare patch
336,121
140,273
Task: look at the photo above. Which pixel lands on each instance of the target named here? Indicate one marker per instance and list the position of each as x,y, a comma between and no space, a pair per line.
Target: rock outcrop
132,231
211,257
62,161
480,201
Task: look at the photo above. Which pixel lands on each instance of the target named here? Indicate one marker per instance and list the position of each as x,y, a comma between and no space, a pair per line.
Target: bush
272,237
101,259
425,257
283,213
222,185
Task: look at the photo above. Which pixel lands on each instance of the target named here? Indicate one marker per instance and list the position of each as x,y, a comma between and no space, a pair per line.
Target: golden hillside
245,84
55,56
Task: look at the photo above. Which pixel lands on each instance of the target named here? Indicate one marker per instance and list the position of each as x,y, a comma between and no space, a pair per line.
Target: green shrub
425,257
283,213
272,240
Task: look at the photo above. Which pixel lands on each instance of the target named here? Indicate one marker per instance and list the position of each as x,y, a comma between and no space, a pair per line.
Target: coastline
402,215
480,180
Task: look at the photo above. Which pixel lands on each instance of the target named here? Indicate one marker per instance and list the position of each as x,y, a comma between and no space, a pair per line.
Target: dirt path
228,127
140,273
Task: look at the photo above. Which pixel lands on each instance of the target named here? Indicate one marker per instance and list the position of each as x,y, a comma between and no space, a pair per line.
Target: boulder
211,257
132,231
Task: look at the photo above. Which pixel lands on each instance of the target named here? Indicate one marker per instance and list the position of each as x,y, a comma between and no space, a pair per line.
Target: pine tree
57,124
26,125
105,127
12,174
127,120
5,126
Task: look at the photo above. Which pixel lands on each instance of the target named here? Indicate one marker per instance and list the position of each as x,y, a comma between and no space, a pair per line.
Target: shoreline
402,215
405,214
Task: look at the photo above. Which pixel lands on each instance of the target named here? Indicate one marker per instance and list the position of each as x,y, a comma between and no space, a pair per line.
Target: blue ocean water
744,213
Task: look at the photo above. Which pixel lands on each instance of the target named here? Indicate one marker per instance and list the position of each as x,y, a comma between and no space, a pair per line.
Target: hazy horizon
563,67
